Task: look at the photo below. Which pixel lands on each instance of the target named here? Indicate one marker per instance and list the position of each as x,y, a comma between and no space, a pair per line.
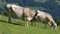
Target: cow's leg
36,21
33,23
45,25
45,22
26,22
9,17
9,20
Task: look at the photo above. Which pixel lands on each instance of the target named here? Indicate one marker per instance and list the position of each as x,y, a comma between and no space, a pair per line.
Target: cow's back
18,11
29,12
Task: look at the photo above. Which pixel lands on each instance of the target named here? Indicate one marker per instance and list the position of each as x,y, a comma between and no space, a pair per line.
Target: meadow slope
17,27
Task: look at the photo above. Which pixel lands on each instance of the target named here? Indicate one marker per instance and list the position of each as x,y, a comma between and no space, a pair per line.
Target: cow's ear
35,10
38,11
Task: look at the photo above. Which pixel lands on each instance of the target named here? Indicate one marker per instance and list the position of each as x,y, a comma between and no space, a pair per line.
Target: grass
18,28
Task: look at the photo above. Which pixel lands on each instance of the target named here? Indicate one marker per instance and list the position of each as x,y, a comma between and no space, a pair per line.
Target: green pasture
17,27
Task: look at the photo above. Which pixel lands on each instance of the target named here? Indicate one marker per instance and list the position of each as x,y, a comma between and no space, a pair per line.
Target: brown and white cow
22,12
46,18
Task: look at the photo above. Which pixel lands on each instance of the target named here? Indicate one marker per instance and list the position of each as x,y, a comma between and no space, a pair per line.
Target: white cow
22,12
47,18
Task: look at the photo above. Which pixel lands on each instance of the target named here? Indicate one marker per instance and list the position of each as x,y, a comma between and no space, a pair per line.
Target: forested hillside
50,6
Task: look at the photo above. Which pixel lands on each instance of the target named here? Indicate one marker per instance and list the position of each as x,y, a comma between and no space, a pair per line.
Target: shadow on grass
3,21
19,23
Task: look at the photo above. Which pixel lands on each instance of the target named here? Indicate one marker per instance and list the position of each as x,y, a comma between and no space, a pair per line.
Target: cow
21,12
46,18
